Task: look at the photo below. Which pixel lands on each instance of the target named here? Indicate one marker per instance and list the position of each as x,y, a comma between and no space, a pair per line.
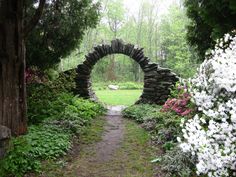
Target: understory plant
164,128
210,135
55,117
179,101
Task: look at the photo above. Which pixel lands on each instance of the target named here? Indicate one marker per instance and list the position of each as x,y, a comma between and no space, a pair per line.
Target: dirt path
113,135
112,147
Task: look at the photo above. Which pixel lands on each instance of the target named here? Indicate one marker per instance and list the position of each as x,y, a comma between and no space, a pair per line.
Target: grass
131,159
90,135
136,153
118,97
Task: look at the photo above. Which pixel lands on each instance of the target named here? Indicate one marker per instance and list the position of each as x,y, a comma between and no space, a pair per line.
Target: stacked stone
165,80
149,94
157,81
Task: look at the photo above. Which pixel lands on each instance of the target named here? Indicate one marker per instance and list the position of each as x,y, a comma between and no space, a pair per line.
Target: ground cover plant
55,117
163,123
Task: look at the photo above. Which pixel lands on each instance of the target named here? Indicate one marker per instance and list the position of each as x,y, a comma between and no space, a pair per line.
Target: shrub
65,82
179,102
139,112
55,115
34,75
45,102
211,134
178,163
164,126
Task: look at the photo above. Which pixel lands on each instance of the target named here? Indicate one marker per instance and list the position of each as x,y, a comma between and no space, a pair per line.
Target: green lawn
118,97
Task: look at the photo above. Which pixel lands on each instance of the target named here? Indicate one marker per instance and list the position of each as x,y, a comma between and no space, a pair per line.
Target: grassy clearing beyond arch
118,97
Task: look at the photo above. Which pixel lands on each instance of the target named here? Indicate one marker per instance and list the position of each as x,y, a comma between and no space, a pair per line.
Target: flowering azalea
179,105
211,135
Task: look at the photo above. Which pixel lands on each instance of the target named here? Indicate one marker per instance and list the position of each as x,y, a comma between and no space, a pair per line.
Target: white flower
213,141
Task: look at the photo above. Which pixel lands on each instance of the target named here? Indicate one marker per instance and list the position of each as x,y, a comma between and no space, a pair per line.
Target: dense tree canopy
210,21
60,30
161,34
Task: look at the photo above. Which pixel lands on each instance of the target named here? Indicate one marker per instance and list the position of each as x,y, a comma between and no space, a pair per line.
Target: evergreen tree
60,30
210,21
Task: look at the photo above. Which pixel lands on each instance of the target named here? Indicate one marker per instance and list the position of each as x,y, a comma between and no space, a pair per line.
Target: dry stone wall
157,80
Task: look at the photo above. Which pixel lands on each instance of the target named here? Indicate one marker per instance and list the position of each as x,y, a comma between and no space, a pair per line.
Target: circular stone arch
157,80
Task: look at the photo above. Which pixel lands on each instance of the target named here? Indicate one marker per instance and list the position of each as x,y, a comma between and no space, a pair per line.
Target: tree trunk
12,67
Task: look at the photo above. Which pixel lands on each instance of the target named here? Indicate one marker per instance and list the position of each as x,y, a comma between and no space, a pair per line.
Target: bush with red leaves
179,102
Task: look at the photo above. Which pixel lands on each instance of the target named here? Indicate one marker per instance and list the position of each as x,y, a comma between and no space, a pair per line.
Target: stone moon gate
157,80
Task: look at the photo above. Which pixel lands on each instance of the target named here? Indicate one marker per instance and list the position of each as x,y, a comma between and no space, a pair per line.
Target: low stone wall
157,81
5,135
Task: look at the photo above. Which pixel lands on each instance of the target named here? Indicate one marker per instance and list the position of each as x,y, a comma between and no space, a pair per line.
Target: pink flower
186,112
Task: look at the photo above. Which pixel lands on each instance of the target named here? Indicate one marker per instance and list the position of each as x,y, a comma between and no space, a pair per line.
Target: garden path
113,134
113,147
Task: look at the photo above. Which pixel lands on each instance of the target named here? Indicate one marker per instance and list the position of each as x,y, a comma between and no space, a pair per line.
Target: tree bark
12,67
12,63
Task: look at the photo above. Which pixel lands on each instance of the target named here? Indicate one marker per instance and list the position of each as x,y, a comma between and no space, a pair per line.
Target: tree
60,30
13,32
210,21
115,18
174,50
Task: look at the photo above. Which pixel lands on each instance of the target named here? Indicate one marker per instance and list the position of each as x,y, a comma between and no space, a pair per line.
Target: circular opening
117,80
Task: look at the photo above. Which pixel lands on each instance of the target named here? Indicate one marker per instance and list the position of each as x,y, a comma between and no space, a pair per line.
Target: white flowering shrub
211,135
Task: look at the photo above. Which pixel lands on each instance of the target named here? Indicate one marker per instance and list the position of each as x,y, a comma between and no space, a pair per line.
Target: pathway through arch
124,150
157,80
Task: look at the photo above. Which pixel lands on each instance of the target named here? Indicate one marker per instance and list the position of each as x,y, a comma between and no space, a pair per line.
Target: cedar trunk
12,67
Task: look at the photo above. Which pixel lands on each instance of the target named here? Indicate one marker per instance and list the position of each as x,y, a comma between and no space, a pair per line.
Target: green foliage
45,102
53,94
41,142
139,112
123,71
130,86
47,141
18,161
66,81
60,30
122,85
164,128
52,74
177,55
177,163
210,20
54,117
